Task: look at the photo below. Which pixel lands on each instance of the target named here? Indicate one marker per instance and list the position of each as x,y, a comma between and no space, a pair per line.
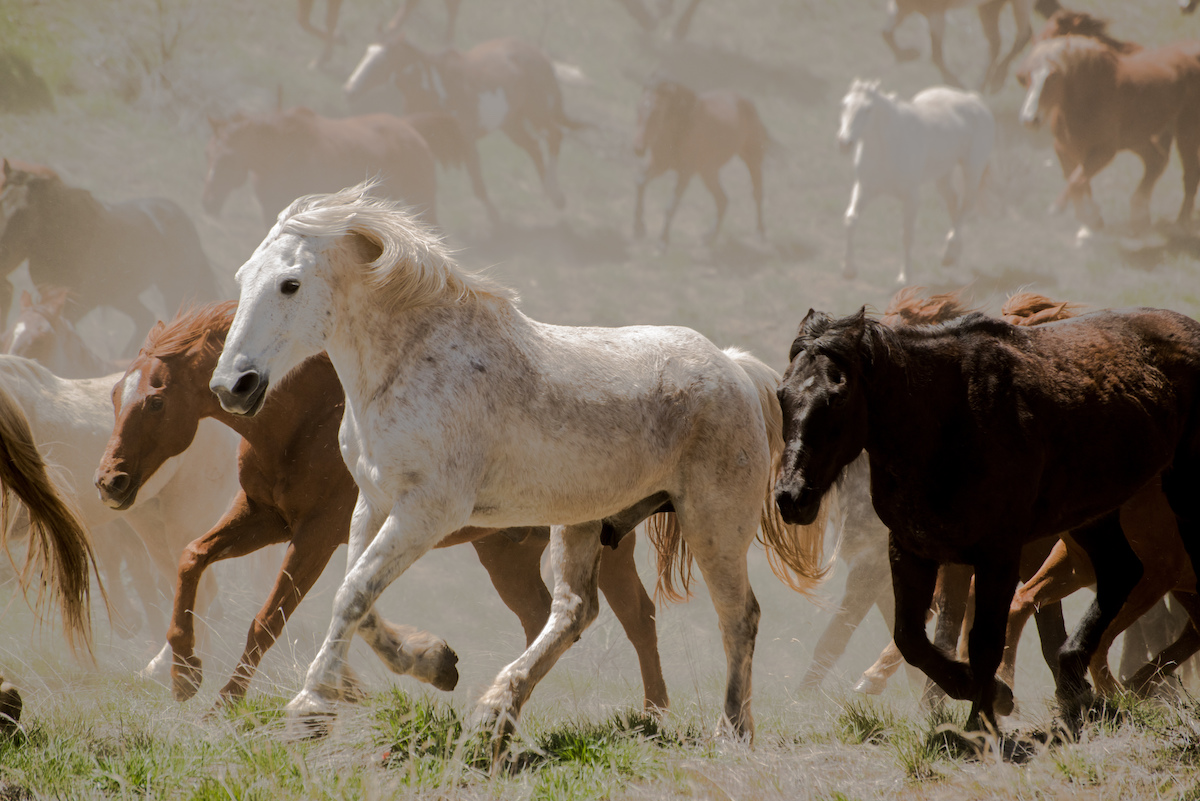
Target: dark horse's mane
822,334
189,327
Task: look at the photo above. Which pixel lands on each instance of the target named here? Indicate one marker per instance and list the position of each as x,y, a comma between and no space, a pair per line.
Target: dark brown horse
500,84
1101,96
286,154
106,253
983,437
689,134
158,405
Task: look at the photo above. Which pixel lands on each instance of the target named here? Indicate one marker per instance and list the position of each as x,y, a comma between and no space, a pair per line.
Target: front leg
681,184
575,560
858,200
409,530
995,582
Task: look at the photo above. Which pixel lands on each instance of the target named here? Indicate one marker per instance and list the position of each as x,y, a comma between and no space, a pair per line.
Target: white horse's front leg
389,554
953,239
575,560
849,271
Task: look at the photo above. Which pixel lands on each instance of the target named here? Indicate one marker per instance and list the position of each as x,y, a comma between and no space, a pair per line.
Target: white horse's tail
796,553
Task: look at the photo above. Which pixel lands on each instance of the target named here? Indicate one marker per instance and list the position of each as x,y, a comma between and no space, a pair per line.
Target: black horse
984,436
105,254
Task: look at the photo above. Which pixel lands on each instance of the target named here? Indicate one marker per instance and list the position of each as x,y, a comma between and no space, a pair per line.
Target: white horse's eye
289,286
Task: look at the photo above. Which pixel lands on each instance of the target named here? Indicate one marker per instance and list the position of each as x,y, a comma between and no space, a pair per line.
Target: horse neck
896,414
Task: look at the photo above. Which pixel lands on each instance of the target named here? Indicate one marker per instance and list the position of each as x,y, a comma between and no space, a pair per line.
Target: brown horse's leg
937,32
753,156
684,23
310,550
1187,142
897,12
682,180
516,573
451,19
950,601
868,579
1154,153
875,678
995,581
475,173
1022,12
712,181
645,175
989,19
245,528
520,136
627,596
1118,571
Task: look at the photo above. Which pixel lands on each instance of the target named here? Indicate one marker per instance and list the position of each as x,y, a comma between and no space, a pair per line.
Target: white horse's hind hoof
309,716
870,685
1084,236
159,668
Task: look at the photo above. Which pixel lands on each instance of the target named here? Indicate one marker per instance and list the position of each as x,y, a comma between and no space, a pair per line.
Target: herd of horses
913,435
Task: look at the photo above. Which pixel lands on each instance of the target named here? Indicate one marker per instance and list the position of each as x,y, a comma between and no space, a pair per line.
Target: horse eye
289,286
154,403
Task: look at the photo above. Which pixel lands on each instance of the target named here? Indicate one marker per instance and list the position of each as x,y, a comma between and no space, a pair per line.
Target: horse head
24,193
159,402
663,113
39,331
824,402
857,106
394,57
228,161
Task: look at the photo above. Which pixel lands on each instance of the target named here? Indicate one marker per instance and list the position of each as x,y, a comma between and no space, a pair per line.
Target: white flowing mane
415,267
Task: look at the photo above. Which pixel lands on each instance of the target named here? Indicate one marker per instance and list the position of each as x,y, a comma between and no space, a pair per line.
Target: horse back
721,124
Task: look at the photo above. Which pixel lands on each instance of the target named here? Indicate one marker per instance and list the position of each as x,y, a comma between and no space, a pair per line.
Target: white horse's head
857,106
328,257
1045,84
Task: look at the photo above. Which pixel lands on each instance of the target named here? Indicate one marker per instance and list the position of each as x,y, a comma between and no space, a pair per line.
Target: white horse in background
900,145
71,420
462,411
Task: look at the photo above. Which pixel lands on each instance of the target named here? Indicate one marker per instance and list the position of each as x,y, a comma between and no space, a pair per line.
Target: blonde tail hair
796,553
60,551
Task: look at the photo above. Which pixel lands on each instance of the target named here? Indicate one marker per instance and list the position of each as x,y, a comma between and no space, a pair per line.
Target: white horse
901,145
462,411
71,421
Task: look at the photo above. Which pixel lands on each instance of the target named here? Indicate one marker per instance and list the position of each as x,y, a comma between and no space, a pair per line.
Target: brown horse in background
934,12
297,152
501,84
396,23
107,253
158,406
1101,96
691,134
954,417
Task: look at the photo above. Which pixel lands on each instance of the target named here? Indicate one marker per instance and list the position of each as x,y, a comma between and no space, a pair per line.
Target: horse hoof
1084,236
187,674
445,677
870,685
1004,704
10,708
309,716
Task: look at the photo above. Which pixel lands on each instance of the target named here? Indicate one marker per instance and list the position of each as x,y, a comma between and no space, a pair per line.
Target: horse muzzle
245,395
798,505
117,489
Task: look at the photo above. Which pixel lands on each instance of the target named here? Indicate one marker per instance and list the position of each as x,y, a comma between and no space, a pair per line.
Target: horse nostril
247,383
118,483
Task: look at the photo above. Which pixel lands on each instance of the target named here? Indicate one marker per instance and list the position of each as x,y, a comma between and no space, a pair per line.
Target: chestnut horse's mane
909,307
679,100
188,328
1030,308
1081,23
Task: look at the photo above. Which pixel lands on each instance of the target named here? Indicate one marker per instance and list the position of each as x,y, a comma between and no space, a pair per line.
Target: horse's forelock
189,327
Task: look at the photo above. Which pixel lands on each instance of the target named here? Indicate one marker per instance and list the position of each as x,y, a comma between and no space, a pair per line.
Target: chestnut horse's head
229,160
663,114
824,403
160,401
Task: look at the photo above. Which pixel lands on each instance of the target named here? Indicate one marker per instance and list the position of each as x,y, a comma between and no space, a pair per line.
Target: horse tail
443,134
59,547
796,553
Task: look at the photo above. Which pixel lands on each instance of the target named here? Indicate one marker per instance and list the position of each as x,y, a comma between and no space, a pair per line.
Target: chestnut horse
500,84
1101,96
934,12
158,406
984,437
691,134
296,151
106,253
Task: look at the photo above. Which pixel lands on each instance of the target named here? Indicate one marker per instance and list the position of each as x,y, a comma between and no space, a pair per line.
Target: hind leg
575,559
681,185
627,596
895,16
994,585
515,569
937,33
1154,153
515,128
863,586
945,187
1187,143
712,181
754,160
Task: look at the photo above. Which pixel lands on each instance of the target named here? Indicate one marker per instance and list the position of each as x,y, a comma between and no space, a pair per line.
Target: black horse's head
824,404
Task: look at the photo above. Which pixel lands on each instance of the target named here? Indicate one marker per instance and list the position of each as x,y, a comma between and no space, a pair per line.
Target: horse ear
808,318
858,323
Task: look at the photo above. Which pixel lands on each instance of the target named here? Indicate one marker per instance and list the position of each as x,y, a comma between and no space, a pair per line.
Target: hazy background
134,82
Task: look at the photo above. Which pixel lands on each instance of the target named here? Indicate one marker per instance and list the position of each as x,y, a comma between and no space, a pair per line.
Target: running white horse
462,411
71,420
901,145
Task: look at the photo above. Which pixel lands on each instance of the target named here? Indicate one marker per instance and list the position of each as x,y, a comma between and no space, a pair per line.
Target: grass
130,120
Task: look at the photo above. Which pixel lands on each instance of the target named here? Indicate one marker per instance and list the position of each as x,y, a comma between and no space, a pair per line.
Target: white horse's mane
871,87
415,267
